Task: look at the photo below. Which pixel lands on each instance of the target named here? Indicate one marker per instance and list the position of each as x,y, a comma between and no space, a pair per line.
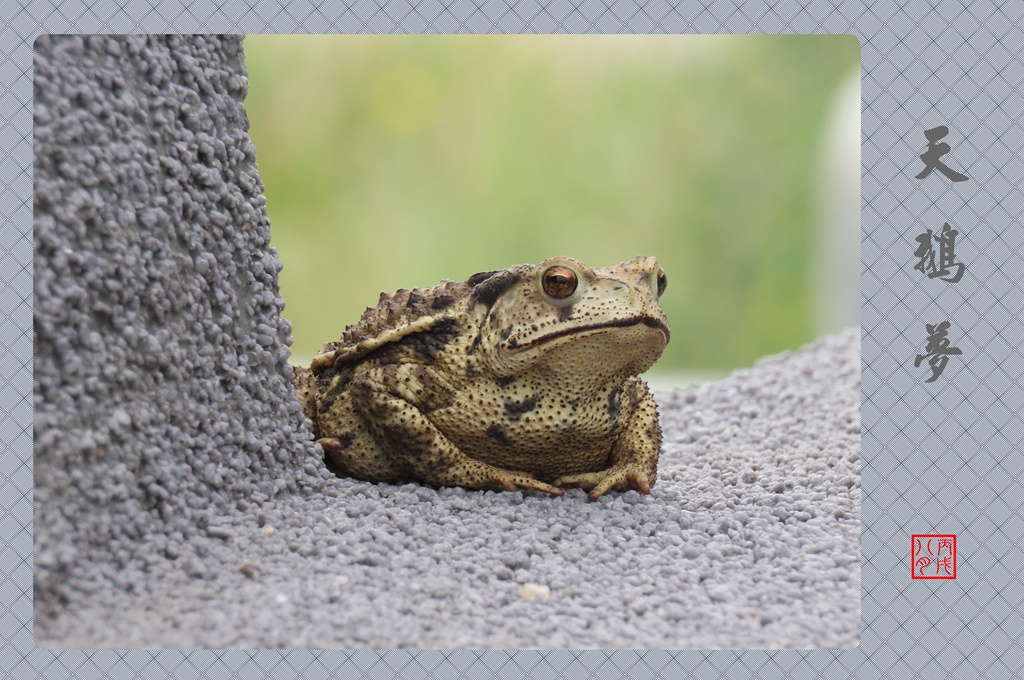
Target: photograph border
939,457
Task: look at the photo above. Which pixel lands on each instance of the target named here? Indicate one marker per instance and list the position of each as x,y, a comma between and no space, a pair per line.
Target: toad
525,377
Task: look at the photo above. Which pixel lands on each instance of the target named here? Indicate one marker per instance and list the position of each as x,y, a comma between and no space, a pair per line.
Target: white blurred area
835,271
836,268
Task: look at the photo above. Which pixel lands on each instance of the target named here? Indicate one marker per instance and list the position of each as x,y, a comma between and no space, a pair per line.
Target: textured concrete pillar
162,390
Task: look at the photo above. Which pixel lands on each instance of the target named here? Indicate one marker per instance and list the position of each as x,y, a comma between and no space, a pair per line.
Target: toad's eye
662,282
560,282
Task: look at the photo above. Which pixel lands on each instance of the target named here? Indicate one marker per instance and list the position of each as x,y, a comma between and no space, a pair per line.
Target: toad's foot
510,481
617,477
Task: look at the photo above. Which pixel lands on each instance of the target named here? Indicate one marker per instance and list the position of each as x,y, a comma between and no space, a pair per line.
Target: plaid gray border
938,458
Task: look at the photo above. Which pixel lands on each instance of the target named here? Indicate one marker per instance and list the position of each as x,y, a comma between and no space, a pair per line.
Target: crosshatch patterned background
938,458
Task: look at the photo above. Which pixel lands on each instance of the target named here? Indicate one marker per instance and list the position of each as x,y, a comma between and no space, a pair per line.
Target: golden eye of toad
662,282
560,282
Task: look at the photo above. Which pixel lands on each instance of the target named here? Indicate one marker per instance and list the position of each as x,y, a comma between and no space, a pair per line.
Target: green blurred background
397,161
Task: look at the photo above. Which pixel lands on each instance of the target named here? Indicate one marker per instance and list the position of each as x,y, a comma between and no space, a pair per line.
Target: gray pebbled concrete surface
162,390
179,502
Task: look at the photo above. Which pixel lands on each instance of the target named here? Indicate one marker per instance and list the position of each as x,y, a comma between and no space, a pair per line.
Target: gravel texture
162,390
179,502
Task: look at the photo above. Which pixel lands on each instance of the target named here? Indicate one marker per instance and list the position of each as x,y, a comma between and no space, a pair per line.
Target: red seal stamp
933,556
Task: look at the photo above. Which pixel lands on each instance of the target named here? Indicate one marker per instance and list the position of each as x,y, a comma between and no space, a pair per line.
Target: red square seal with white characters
933,556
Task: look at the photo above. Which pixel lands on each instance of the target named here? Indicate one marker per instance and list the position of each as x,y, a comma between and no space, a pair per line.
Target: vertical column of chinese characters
940,264
933,556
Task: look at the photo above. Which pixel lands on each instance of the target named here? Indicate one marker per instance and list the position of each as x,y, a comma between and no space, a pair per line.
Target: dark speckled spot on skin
515,410
504,380
331,390
443,301
489,288
476,343
615,402
497,433
429,343
435,396
565,313
444,327
436,402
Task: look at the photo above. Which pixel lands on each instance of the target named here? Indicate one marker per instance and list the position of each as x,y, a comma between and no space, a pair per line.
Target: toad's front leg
404,433
634,456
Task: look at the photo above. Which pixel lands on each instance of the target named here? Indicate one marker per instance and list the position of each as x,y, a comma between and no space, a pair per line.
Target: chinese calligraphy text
937,350
933,155
946,268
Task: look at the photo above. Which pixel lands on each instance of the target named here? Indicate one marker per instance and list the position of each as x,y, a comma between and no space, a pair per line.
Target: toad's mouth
621,323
